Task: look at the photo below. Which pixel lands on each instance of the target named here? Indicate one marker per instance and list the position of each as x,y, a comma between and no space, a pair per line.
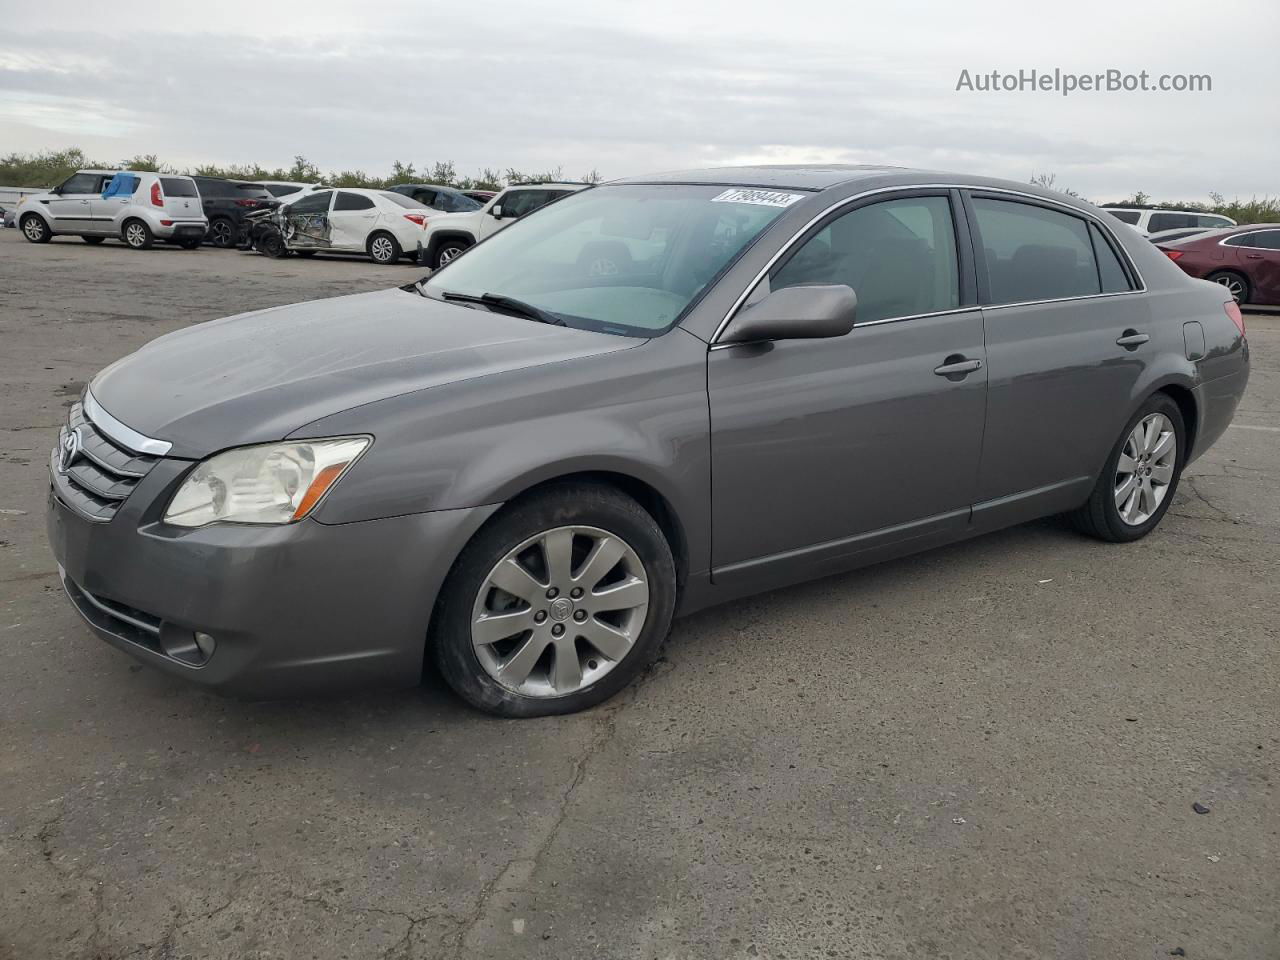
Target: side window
1266,240
1170,221
1033,253
348,201
209,187
1110,272
1126,216
81,183
899,256
1241,240
1205,221
518,202
317,202
425,197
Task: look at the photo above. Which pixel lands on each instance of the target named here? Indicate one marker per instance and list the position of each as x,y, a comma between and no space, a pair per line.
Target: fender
448,234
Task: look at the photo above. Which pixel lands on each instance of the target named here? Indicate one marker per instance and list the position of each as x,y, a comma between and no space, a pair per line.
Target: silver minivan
135,206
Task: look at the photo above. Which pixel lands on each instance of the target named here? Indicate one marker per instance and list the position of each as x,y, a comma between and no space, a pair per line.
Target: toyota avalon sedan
653,396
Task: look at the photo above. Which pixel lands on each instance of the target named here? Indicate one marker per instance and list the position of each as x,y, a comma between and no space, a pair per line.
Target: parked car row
430,223
1245,260
1149,220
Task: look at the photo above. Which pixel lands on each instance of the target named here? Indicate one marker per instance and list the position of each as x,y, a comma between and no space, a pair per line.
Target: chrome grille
94,474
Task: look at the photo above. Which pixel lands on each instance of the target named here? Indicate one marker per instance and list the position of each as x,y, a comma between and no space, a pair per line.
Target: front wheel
383,248
35,229
1141,476
557,604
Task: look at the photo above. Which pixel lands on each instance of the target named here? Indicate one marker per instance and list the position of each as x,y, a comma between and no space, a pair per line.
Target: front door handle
957,367
1253,256
1132,339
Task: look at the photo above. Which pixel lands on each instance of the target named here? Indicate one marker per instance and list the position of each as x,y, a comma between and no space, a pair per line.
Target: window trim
1248,233
1135,276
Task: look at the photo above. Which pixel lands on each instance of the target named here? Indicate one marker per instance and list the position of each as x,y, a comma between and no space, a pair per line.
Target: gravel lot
991,750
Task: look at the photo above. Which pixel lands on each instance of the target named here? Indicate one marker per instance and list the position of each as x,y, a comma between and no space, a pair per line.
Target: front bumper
292,609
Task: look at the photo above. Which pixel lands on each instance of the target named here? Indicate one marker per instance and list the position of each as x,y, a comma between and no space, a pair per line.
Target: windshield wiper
511,304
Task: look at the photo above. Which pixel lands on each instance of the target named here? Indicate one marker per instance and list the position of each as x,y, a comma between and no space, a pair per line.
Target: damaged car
378,223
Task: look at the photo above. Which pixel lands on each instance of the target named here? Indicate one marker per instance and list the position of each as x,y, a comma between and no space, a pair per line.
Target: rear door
1258,256
825,449
1065,347
306,222
70,208
351,219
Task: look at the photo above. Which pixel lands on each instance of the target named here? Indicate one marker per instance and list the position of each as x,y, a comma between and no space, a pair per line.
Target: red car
1245,260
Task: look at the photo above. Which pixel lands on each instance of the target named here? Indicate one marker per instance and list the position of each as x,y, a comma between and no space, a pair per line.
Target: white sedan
379,223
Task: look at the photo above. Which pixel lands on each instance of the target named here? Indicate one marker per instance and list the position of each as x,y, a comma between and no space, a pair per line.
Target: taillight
1174,254
1233,311
245,203
417,218
157,199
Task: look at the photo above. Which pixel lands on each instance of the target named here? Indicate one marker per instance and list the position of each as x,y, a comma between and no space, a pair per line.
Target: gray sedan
646,398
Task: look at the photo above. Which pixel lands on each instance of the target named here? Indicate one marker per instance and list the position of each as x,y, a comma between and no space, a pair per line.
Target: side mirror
496,211
796,313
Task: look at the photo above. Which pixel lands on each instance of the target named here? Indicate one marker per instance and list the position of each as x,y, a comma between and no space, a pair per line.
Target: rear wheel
1237,284
1141,476
557,604
222,233
448,250
35,229
93,240
137,235
383,248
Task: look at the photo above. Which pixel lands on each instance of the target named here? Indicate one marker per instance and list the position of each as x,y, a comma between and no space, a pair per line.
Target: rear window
352,201
404,201
281,189
252,191
178,187
1126,216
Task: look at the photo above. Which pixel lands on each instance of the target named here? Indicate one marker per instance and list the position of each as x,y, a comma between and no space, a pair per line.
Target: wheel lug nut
576,592
540,616
557,630
552,593
580,615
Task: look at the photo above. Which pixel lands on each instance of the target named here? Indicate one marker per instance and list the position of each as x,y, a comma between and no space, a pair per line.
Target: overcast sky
634,87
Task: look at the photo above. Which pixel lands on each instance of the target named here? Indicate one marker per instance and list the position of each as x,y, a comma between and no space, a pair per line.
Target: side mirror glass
796,313
496,211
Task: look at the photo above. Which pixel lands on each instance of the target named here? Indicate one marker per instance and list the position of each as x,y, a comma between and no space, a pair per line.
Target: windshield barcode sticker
766,198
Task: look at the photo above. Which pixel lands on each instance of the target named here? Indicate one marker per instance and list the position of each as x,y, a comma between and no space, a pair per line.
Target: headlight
273,483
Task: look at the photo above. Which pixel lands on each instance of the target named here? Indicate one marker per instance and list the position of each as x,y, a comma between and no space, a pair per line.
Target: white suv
445,235
132,205
1147,221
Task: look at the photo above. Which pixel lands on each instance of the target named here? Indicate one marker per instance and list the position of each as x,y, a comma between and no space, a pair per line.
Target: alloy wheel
220,231
381,250
448,253
560,611
135,235
33,228
1234,287
1145,469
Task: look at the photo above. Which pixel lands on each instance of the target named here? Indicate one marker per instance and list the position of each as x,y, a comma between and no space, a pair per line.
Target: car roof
817,176
427,186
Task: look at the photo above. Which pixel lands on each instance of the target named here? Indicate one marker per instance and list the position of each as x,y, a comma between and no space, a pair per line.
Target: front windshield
624,259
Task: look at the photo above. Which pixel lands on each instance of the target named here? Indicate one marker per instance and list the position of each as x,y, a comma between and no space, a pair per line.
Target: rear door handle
1132,339
1253,256
957,366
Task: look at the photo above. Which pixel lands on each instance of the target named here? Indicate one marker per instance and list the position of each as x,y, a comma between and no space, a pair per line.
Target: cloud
638,88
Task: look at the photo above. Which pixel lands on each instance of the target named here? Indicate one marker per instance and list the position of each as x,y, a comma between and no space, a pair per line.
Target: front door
306,221
826,449
71,208
1066,344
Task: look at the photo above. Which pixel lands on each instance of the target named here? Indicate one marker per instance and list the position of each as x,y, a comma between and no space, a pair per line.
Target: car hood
259,376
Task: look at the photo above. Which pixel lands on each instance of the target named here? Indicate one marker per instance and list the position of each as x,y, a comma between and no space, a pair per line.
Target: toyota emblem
71,445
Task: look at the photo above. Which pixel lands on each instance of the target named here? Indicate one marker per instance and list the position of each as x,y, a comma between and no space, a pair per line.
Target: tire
305,253
35,229
383,248
447,251
590,514
222,233
137,235
1101,516
1237,284
272,245
93,241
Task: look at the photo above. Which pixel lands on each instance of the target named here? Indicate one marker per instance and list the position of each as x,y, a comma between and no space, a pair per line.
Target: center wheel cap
561,609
